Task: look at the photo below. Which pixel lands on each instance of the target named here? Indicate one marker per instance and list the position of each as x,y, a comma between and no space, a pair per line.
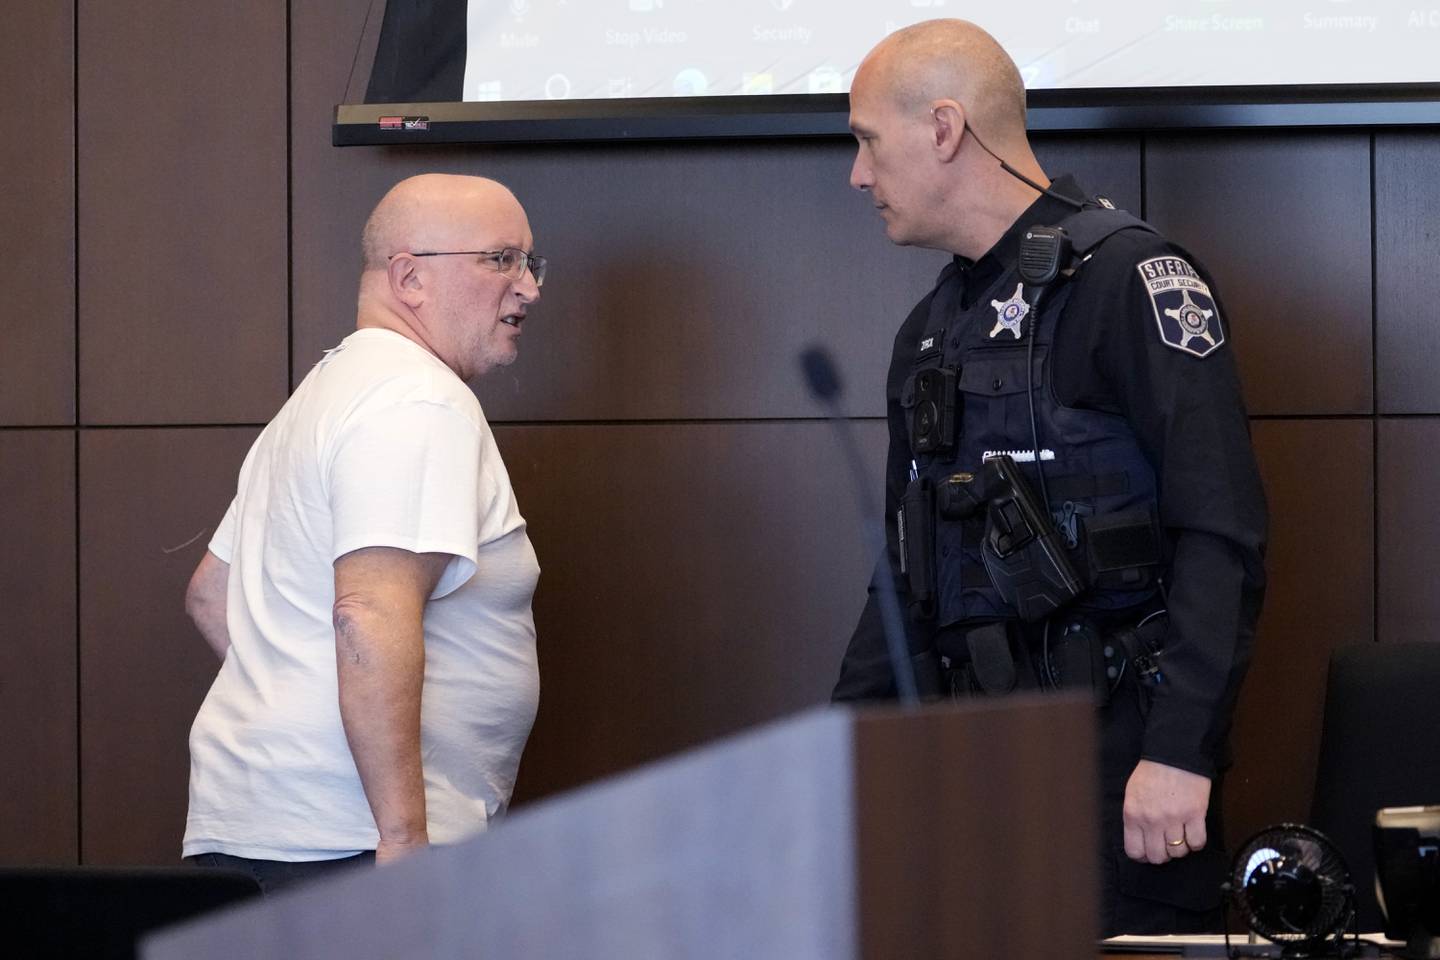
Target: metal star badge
1009,313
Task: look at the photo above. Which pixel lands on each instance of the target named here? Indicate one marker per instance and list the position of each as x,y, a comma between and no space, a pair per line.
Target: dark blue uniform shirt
1110,354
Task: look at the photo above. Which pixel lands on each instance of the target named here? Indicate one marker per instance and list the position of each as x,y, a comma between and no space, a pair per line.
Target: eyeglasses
512,262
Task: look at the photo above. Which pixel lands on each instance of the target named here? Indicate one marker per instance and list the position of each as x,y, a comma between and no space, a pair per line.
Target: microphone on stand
824,382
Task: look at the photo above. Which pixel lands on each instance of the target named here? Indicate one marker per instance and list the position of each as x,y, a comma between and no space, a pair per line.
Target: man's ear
404,279
947,128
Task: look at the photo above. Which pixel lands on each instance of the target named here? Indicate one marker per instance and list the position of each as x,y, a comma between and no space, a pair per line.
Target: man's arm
205,601
1214,603
866,672
380,596
1189,417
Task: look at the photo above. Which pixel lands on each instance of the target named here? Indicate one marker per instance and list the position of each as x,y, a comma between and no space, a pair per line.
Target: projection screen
580,69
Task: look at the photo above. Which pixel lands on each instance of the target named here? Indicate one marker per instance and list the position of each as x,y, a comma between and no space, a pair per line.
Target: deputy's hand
1164,804
391,850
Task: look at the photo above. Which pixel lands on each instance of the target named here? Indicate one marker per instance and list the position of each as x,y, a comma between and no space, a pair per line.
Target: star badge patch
1185,310
1009,313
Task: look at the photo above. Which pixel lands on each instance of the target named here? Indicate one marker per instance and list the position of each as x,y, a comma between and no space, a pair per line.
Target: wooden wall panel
1319,483
695,579
37,246
333,188
1108,165
1407,285
722,260
686,277
150,499
1282,221
688,589
182,171
37,647
1407,594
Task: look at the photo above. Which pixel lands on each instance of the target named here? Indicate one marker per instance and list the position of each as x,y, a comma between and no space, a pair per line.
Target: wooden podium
954,831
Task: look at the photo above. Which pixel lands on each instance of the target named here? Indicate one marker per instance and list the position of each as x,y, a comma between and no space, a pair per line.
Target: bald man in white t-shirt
369,588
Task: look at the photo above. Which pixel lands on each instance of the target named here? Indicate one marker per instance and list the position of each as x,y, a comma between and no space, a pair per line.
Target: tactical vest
1101,488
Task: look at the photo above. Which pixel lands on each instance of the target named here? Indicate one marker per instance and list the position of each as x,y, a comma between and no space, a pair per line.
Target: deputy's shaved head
955,60
433,211
934,109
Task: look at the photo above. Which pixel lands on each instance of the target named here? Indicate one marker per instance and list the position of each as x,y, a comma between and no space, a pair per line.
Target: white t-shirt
381,445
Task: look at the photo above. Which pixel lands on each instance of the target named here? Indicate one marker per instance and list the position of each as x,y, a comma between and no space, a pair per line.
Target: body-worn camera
933,414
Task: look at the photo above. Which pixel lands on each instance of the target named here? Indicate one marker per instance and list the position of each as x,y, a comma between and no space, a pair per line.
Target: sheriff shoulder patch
1185,310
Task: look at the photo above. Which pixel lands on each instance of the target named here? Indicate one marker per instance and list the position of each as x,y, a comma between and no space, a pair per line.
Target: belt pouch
991,662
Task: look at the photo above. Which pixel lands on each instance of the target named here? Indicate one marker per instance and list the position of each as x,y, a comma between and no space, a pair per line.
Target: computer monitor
1407,876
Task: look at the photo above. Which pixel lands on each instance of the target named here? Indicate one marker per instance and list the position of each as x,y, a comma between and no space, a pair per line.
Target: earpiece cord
1071,201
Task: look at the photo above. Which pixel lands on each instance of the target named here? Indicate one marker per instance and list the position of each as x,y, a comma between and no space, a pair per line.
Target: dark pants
1182,896
276,875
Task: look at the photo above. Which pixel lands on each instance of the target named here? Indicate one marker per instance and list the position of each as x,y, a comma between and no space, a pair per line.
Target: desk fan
1290,886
